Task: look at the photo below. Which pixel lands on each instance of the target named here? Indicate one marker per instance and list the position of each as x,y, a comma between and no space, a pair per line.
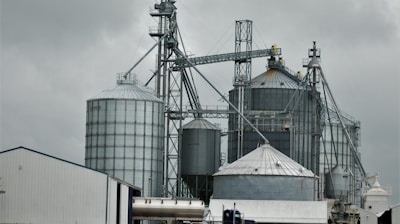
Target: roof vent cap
126,78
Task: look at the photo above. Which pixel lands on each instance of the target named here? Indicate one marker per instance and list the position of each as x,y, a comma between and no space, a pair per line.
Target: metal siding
217,156
271,99
124,204
336,185
42,189
275,100
255,187
112,201
337,153
279,140
130,209
200,148
200,156
396,214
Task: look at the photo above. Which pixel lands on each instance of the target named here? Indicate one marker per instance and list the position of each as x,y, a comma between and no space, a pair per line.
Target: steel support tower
315,75
242,75
313,78
169,89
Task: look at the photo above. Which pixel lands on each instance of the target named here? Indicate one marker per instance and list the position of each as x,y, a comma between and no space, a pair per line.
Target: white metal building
396,213
38,188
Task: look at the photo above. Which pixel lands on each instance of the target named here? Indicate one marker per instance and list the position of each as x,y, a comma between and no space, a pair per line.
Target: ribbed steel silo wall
279,140
295,141
200,151
124,138
258,187
337,152
200,157
262,100
336,184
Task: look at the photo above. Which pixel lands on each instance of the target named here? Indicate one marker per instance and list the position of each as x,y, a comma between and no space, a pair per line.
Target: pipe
166,208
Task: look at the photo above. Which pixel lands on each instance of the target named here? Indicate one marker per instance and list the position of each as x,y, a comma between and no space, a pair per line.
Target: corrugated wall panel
112,201
396,214
257,187
123,215
42,189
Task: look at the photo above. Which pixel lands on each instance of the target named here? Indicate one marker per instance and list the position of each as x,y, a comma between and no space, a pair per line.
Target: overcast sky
56,54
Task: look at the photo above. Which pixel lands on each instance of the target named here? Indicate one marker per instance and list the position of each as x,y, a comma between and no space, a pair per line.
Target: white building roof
265,160
263,211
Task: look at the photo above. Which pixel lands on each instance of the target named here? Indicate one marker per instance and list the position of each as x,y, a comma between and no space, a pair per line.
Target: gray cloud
51,23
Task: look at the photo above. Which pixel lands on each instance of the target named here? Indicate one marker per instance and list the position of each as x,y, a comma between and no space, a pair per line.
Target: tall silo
285,112
264,174
200,156
124,135
336,152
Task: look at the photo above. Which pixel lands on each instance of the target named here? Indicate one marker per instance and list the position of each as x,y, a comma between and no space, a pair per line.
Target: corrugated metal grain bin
338,153
264,174
124,135
200,158
201,145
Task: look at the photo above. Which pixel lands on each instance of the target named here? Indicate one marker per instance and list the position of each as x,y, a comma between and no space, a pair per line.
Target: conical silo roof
267,161
273,78
200,123
128,89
